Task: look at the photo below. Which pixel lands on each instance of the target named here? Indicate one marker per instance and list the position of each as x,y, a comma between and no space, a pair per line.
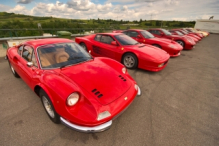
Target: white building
207,25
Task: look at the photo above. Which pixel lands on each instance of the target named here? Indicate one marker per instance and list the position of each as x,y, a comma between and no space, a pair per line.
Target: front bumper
86,129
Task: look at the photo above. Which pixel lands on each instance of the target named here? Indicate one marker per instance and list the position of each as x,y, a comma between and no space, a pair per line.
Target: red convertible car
83,92
124,49
143,36
186,42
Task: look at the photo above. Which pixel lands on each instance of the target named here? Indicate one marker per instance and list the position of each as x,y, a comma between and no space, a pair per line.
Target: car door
16,59
28,73
103,47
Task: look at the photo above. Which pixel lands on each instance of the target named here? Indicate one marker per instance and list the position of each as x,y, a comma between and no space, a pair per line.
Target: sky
183,10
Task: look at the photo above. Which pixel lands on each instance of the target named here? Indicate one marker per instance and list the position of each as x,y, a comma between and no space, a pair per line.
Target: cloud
171,2
19,9
123,9
80,5
24,1
4,7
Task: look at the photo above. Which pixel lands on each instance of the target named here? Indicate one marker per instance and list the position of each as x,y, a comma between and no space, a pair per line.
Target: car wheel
48,106
13,71
83,46
181,43
130,61
158,46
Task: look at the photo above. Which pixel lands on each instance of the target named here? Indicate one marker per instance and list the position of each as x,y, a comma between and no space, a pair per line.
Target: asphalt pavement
179,106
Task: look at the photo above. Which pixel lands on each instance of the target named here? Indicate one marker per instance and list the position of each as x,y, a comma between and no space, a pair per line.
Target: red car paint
103,74
149,57
194,37
143,36
187,43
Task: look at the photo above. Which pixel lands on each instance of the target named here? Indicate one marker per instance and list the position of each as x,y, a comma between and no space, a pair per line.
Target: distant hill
27,22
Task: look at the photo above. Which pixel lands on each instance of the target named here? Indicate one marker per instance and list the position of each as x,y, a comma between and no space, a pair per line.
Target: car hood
149,51
102,81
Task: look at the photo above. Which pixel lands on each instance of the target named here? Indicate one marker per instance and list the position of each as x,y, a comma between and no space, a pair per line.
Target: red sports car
191,32
177,32
126,50
186,42
194,37
83,92
143,36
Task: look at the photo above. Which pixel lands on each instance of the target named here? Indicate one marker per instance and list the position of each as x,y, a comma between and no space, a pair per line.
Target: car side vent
97,93
94,90
121,77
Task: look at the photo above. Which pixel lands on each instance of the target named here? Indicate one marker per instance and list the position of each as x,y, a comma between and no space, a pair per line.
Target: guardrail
12,33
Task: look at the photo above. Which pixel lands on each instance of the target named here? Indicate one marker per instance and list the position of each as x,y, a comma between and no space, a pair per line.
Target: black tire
13,71
130,61
181,43
83,46
49,108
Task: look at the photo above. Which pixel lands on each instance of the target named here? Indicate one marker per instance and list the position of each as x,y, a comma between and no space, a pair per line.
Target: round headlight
124,70
136,87
72,99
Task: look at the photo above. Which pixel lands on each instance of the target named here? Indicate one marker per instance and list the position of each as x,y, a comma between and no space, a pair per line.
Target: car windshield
184,32
147,34
166,32
179,33
125,40
61,55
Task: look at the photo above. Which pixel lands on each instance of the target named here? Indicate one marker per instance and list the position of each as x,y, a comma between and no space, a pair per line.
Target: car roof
40,42
136,30
113,34
155,28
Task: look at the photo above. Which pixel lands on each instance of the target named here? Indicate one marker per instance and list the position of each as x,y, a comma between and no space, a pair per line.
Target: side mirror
29,64
139,36
114,43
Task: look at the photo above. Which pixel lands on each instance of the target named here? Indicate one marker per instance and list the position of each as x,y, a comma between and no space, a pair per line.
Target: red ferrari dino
143,36
83,92
126,50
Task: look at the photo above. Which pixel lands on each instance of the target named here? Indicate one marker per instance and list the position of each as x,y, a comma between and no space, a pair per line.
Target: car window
125,40
166,32
157,32
97,38
60,55
133,34
34,60
106,39
147,34
125,32
20,50
27,53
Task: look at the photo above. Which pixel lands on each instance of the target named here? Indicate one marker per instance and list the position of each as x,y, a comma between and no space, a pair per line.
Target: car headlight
124,70
72,99
103,115
171,46
136,87
188,39
160,65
